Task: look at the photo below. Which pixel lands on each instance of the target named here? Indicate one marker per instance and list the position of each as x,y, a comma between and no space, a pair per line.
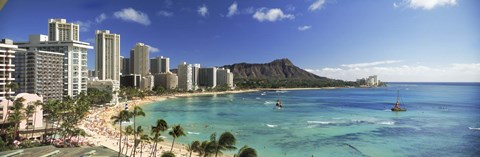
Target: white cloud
130,14
424,4
86,25
358,65
203,10
316,5
407,73
154,49
233,9
164,13
249,10
271,15
102,17
304,28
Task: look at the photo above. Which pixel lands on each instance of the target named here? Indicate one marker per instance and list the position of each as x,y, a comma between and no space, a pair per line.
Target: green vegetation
290,83
98,97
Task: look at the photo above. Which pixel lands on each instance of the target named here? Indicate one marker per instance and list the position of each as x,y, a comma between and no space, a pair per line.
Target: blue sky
399,40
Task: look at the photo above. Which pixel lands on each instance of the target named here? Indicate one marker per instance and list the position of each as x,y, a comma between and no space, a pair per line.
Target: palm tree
168,154
161,126
137,111
128,132
17,115
246,151
121,117
11,86
177,131
226,142
143,139
29,110
193,147
136,141
206,148
36,104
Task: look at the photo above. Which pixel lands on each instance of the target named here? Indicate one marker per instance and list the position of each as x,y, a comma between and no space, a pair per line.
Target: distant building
195,71
111,86
75,60
34,120
207,77
39,72
91,74
159,65
185,77
147,82
371,81
139,58
125,64
132,80
107,55
166,80
60,30
7,53
224,77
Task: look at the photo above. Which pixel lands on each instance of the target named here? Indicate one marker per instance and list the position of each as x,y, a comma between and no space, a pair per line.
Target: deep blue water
337,122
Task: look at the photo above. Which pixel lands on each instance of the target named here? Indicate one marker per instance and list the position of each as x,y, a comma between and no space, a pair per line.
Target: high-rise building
184,73
125,62
139,58
207,77
7,53
166,80
75,73
60,30
39,72
195,71
224,77
107,55
159,65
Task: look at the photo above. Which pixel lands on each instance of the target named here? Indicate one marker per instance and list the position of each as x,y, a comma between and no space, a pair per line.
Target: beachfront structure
166,80
371,81
147,82
7,53
207,77
111,86
139,58
107,55
125,64
195,71
184,73
132,80
39,72
75,73
31,121
159,65
60,30
224,77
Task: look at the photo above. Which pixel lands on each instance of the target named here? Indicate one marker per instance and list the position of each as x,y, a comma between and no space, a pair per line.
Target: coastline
101,130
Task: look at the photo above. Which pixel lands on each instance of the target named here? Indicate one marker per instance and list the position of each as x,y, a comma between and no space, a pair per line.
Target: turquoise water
338,122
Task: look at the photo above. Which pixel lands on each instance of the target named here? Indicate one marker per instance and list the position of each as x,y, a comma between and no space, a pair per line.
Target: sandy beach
101,131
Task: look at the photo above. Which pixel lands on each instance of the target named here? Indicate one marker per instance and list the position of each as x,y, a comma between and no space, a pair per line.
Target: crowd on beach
100,131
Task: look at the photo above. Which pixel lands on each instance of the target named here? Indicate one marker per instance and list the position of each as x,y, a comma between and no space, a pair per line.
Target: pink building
30,99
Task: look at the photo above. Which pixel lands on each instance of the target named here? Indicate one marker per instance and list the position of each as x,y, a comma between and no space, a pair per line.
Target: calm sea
443,119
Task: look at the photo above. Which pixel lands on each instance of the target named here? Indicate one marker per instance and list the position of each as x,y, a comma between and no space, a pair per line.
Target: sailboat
397,108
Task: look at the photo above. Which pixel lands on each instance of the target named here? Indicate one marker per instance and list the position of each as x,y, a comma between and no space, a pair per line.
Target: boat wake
321,122
472,128
193,133
271,125
269,102
352,122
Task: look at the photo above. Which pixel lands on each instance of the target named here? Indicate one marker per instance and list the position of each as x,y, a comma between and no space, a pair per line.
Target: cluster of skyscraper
371,81
55,65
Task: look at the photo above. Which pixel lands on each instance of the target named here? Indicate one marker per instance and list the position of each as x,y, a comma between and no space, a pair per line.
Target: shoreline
101,131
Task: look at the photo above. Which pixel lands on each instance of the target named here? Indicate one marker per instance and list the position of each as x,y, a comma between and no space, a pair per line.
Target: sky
398,40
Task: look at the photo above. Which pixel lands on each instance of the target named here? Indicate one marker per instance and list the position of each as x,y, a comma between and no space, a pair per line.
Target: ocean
442,119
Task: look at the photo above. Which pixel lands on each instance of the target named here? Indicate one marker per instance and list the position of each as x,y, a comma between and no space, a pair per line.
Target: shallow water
442,120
